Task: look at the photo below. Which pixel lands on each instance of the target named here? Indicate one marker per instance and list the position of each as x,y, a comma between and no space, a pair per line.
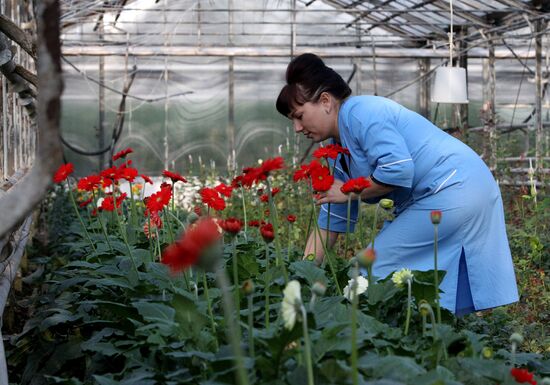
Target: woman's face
315,120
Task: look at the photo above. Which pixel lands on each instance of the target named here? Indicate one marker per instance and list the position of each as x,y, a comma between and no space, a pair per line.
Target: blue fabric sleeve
338,211
385,148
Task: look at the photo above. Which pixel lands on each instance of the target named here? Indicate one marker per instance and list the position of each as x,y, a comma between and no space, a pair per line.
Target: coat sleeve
385,148
338,211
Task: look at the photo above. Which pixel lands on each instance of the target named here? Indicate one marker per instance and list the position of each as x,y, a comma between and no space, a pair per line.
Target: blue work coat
430,170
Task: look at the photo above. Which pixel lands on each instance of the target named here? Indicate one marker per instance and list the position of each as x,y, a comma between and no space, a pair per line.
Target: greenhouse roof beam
161,50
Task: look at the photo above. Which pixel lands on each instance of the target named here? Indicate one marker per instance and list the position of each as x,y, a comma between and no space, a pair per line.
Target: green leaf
309,271
158,315
381,292
391,367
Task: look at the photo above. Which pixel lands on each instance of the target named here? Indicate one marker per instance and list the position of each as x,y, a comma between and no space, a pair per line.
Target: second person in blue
421,168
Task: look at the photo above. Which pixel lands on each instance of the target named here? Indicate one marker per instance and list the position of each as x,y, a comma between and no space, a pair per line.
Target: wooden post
488,114
424,91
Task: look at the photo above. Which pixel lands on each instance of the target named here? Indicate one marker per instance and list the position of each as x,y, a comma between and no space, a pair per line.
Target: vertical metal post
166,101
230,21
101,122
231,113
462,47
539,27
424,91
293,30
198,23
358,80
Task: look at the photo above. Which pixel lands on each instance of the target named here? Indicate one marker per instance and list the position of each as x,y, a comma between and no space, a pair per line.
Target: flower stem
251,325
79,217
124,238
347,226
274,221
231,332
327,256
267,285
307,347
209,307
244,211
236,286
373,232
436,277
354,303
409,305
101,224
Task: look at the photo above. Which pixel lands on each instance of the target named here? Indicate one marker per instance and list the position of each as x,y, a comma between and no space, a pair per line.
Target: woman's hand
333,195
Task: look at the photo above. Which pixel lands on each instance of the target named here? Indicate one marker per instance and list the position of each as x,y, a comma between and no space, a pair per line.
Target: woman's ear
326,101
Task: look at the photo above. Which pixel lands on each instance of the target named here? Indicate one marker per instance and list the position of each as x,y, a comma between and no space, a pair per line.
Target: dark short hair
307,77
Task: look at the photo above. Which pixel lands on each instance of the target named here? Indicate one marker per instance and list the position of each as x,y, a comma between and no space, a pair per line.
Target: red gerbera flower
255,223
330,151
174,176
147,179
63,172
273,164
128,173
192,244
157,201
108,203
321,179
224,189
111,173
306,170
212,199
523,376
122,154
86,202
231,225
265,197
89,183
355,185
291,218
267,232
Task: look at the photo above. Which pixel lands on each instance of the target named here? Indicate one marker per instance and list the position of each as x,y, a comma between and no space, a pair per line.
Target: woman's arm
334,195
315,247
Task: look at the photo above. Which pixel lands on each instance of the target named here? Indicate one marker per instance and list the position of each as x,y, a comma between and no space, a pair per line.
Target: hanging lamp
450,82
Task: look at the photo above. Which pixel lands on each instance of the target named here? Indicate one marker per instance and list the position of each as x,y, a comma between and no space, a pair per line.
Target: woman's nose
297,126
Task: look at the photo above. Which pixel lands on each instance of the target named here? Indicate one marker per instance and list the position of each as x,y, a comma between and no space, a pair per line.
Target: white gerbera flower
401,277
292,302
362,285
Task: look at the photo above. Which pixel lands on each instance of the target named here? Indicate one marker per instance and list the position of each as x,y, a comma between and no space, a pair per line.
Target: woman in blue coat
421,168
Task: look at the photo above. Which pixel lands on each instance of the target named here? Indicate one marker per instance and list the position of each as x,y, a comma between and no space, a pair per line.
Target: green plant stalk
409,305
329,259
359,224
423,325
354,304
373,232
251,325
267,285
101,224
347,225
307,344
236,286
436,277
134,219
275,222
151,247
328,227
209,308
79,217
169,226
244,211
231,332
288,241
327,256
124,238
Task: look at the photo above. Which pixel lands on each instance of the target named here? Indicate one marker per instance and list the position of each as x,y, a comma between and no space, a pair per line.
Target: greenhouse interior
275,192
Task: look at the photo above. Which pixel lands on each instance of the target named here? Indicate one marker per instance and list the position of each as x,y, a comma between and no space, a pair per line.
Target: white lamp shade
450,85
